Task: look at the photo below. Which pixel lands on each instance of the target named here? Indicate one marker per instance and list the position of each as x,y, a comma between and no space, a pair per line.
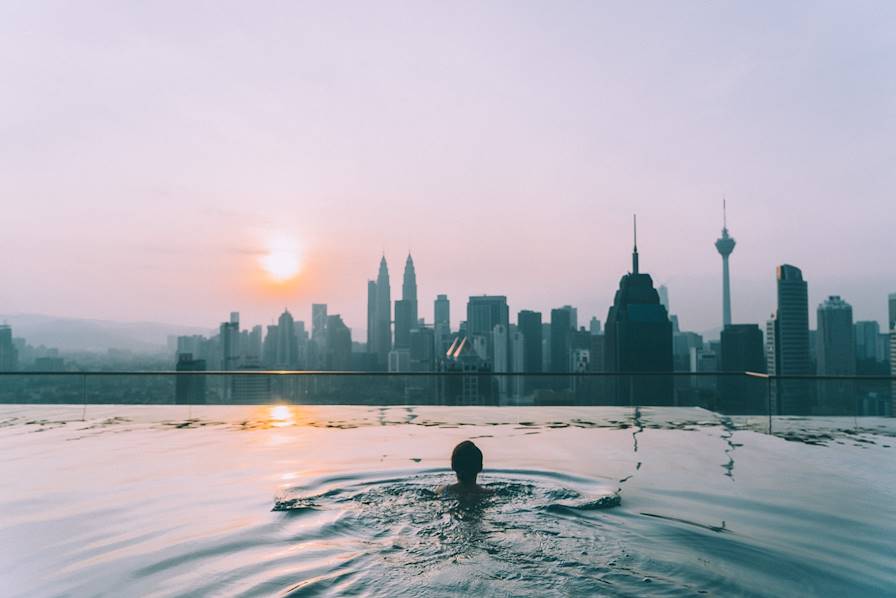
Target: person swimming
466,462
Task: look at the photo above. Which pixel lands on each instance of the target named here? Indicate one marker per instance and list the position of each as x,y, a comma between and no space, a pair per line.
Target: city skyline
359,331
147,185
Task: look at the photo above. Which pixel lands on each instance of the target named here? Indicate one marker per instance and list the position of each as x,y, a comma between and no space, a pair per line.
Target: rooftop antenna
724,214
635,252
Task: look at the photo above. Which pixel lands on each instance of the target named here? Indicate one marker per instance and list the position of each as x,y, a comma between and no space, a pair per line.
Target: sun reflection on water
281,415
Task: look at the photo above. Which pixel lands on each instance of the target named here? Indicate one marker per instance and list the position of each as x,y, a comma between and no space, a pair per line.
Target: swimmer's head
466,461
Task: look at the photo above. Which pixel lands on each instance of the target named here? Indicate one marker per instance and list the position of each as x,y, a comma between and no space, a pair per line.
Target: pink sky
148,152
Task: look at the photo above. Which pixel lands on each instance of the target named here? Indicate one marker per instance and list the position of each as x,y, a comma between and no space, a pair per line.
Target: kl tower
725,245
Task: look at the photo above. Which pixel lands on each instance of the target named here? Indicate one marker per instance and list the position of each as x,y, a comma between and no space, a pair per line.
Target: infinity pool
261,501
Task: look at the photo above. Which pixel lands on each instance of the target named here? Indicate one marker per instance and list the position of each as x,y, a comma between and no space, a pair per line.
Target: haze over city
156,161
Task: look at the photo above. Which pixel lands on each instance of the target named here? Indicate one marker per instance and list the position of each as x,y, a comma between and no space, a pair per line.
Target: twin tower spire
379,310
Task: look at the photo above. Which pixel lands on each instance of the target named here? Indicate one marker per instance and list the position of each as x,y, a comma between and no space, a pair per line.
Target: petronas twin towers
379,311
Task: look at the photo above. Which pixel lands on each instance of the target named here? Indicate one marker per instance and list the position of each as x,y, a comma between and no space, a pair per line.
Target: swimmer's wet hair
466,461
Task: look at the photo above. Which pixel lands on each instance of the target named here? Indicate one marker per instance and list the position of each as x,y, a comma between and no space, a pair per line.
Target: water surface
259,501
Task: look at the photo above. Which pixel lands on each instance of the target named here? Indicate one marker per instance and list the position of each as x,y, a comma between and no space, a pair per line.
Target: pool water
295,501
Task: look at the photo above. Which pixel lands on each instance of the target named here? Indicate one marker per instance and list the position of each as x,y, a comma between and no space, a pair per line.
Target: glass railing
733,393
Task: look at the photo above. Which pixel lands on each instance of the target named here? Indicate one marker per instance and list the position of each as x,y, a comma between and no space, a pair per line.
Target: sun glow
281,415
282,260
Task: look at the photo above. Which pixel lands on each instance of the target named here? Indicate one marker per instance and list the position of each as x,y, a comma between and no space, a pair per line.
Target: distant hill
73,334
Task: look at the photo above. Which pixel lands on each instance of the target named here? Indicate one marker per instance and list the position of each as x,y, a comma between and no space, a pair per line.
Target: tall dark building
287,349
189,389
442,323
891,310
229,337
792,322
742,351
561,339
422,349
339,344
409,284
404,323
788,342
529,324
484,312
380,327
638,338
9,355
371,314
406,314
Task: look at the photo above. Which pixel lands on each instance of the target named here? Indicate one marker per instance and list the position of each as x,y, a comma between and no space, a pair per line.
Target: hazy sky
151,151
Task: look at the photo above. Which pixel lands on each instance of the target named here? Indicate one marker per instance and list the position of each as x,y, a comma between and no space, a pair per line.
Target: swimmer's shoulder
462,489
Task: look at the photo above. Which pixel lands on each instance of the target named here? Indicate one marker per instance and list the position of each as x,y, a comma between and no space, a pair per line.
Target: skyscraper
725,245
561,334
319,323
529,324
891,310
573,316
638,338
484,312
422,351
406,308
442,312
339,344
9,355
442,326
287,352
792,322
382,322
787,338
229,338
404,323
269,347
836,353
741,348
190,389
371,314
501,362
663,292
867,333
409,284
836,338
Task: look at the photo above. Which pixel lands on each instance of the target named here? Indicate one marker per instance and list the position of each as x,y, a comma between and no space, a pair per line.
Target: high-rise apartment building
836,338
319,323
867,333
371,314
573,316
484,312
787,338
530,326
741,351
792,322
442,323
190,389
287,351
422,349
339,344
9,355
561,339
891,310
229,339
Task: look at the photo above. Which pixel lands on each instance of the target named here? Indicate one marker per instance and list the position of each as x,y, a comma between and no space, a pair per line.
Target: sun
281,261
